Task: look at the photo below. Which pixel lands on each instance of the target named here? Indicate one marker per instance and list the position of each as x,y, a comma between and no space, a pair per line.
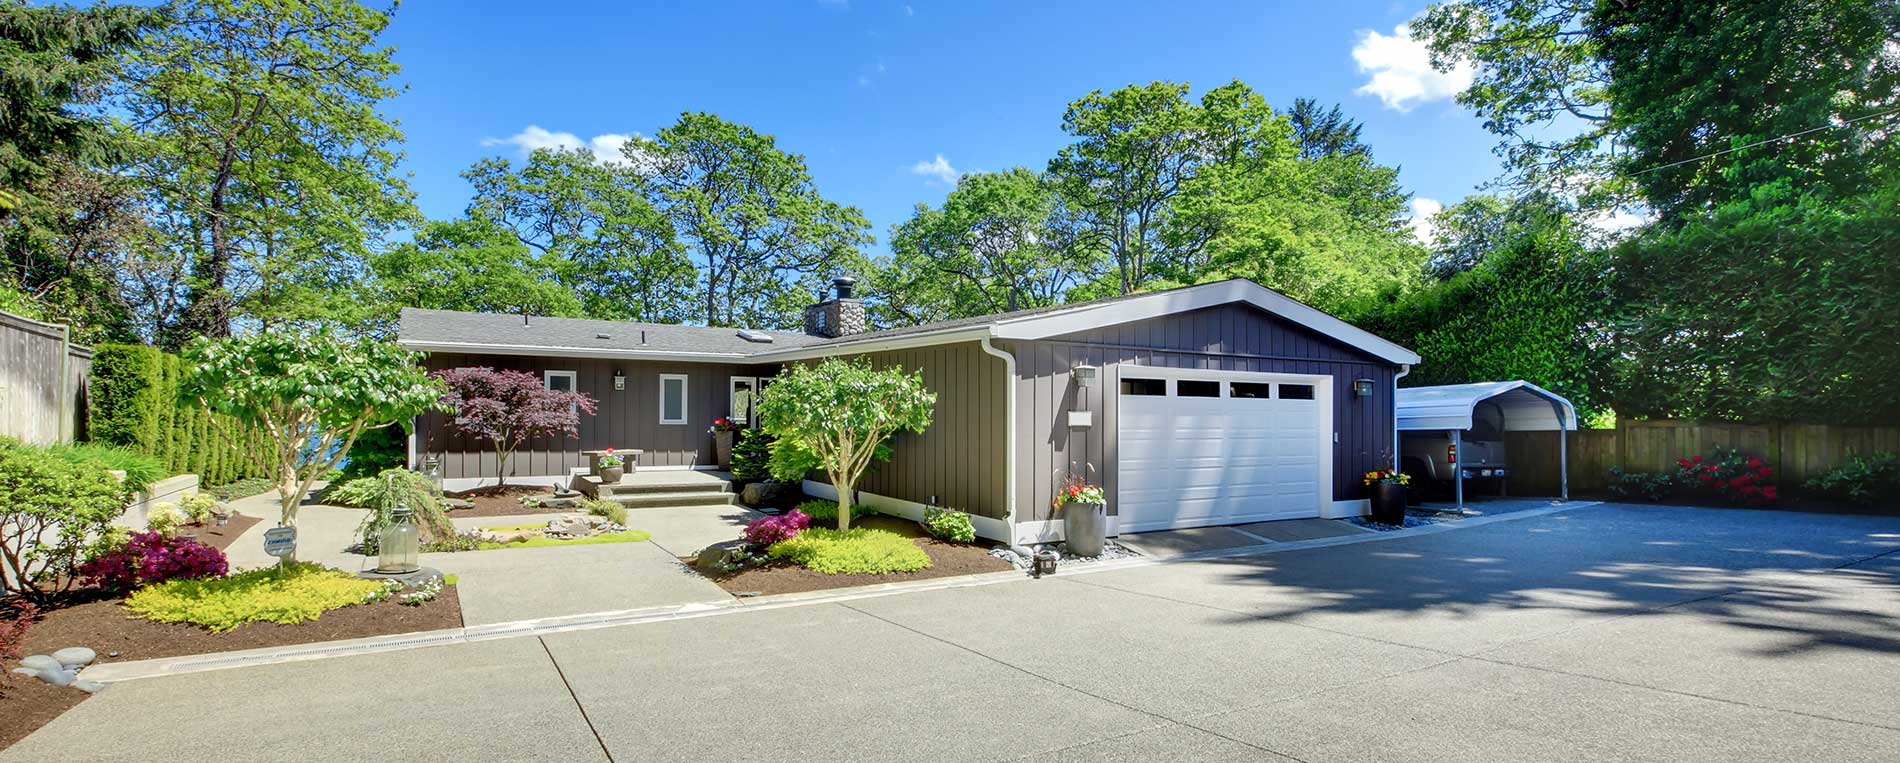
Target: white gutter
1009,432
1403,370
568,352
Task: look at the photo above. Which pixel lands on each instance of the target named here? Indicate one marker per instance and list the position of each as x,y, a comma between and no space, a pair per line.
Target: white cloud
605,147
1401,70
938,168
909,11
1423,210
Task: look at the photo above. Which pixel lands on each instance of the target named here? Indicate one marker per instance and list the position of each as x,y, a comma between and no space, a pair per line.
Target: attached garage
1201,448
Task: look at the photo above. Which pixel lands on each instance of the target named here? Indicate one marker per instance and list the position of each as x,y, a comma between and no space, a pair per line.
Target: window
559,381
1259,390
744,390
1196,388
1296,392
1153,387
672,398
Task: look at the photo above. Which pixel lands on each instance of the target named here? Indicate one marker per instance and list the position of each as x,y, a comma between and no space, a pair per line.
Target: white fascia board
569,352
1063,322
924,339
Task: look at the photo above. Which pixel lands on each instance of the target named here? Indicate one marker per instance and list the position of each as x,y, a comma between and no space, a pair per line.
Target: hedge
135,404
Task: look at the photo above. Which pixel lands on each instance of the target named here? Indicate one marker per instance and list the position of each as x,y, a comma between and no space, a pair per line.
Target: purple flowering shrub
765,531
152,558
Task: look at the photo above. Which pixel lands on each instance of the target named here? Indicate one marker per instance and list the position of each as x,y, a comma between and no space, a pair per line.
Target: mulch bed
946,560
217,537
504,501
28,703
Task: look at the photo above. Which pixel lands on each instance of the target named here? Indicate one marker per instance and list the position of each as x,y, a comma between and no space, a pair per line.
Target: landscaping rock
710,556
75,656
39,662
553,502
762,493
457,504
89,687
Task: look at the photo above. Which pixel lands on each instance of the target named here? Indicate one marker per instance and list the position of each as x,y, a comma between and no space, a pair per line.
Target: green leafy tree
269,166
751,216
1001,241
1322,132
470,264
50,510
593,230
840,413
1463,234
312,394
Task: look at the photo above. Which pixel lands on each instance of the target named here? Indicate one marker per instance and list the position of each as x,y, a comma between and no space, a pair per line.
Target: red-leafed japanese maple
509,407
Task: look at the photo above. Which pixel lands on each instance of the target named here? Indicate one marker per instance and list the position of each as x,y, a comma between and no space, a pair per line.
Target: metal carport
1527,408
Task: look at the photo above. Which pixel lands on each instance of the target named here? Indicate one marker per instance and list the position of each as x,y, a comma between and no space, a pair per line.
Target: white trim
1354,508
557,351
1061,322
686,389
732,382
573,379
849,347
986,527
1009,436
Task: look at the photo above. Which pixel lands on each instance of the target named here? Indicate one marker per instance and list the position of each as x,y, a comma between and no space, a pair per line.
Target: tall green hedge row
135,403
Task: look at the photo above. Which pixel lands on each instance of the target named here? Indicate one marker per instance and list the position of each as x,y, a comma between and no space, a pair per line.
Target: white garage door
1221,450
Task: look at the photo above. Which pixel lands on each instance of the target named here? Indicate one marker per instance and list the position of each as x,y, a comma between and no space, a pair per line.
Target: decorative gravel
1110,550
1411,521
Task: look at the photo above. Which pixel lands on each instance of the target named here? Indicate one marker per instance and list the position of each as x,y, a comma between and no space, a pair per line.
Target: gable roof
453,331
449,331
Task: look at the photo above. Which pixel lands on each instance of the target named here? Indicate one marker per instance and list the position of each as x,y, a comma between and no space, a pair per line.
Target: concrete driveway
1603,633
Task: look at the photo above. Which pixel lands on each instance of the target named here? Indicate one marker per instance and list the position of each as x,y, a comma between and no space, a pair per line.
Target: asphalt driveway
1603,633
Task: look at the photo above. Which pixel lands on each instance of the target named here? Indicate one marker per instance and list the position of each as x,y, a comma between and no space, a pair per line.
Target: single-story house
1221,403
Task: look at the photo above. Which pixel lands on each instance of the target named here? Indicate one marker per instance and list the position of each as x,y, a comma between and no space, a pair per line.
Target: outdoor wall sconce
620,379
1086,376
1362,388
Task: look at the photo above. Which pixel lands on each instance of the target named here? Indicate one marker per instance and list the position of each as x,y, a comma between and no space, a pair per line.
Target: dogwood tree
313,394
508,407
838,414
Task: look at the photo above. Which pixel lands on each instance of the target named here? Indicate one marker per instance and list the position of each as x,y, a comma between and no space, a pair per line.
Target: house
1221,403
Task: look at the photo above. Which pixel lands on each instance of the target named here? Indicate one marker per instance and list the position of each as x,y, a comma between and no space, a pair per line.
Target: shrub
1647,485
611,510
284,594
151,557
1735,475
165,518
825,512
50,510
1862,479
384,492
140,469
377,449
136,406
858,551
244,488
199,507
765,531
949,525
752,456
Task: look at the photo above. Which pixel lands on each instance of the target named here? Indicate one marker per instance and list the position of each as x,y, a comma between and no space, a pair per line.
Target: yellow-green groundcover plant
858,551
289,594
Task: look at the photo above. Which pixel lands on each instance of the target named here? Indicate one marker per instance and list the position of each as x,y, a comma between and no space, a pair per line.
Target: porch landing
661,489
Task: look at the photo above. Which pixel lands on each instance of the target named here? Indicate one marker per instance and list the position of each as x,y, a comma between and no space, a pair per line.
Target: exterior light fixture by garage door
620,379
1085,377
1362,388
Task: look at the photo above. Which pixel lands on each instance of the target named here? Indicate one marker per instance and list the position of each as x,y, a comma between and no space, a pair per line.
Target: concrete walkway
1604,633
510,584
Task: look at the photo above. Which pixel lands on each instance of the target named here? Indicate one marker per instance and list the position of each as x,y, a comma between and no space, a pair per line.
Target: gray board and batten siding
1232,337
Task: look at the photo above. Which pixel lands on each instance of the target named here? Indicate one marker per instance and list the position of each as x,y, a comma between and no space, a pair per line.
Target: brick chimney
842,315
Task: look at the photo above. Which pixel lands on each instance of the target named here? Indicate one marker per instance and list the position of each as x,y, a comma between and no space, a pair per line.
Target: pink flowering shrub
765,531
152,558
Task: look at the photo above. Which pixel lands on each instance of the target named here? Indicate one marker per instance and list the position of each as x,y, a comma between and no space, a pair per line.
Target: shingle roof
489,330
980,320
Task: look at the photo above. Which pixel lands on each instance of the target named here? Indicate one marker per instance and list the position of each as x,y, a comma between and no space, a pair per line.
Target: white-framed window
745,393
672,398
561,381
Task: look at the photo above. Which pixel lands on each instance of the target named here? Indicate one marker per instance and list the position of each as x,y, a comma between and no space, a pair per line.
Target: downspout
1403,370
1009,434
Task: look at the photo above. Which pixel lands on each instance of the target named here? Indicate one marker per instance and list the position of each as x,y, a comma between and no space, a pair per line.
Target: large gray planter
1085,528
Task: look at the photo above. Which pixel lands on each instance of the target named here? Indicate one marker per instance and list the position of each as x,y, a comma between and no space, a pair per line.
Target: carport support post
1458,468
1563,451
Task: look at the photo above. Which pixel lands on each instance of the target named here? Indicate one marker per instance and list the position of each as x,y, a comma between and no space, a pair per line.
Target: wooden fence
42,381
1797,451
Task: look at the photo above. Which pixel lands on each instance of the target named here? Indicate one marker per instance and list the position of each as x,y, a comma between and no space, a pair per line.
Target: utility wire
1790,136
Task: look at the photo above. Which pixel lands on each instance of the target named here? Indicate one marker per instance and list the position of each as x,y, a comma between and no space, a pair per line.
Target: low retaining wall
168,490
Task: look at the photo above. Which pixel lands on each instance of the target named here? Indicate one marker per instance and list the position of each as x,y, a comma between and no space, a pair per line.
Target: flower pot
722,448
1388,503
1085,527
610,475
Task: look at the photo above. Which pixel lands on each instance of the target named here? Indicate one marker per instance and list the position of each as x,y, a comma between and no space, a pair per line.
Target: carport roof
1527,407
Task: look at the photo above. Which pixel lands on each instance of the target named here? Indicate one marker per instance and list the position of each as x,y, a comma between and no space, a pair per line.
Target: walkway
1603,633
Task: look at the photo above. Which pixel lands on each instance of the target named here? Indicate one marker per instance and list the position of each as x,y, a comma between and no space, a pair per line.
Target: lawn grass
624,536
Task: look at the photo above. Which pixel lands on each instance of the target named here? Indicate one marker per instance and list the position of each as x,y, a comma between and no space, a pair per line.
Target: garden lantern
399,543
432,470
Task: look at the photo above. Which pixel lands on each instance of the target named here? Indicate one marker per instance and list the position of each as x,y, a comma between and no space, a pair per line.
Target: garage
1202,448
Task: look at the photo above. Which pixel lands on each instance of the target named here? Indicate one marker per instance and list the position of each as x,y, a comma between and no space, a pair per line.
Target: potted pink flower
723,430
612,467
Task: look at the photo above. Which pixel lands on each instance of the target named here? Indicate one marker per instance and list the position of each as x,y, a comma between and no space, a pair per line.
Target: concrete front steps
661,490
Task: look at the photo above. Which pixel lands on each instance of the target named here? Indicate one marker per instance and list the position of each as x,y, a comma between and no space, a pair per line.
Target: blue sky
872,93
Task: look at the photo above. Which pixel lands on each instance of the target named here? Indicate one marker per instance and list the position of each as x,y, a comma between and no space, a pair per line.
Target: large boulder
763,493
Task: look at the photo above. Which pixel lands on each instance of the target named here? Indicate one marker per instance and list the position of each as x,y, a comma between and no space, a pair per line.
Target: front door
743,401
